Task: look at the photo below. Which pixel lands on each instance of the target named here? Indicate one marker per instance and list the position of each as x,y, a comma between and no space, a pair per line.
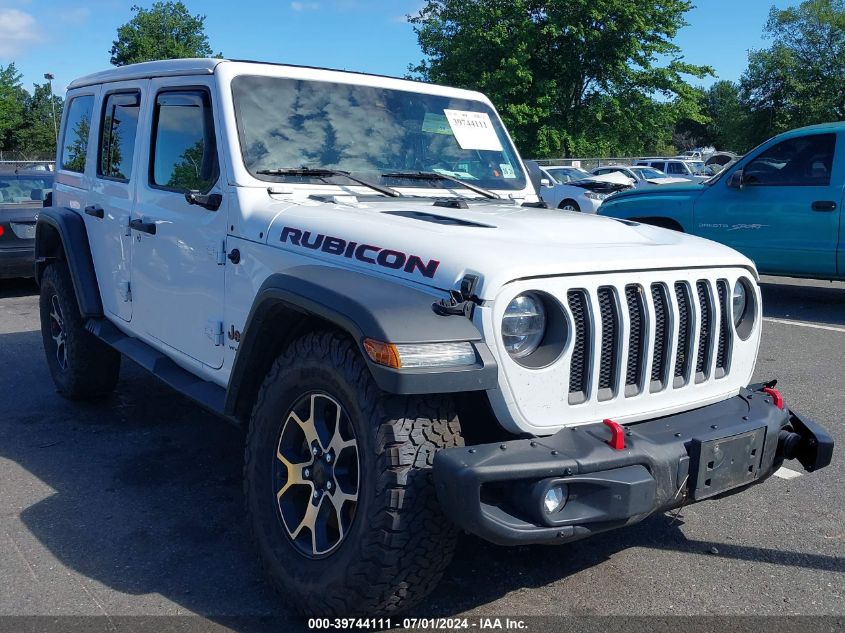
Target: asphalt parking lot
133,506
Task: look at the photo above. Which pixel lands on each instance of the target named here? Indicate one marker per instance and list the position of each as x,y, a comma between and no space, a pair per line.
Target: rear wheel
569,205
337,479
82,366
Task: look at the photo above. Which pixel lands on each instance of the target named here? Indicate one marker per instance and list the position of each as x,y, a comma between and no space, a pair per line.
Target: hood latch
461,302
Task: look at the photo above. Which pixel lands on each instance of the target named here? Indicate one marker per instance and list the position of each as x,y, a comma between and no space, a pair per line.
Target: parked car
22,196
780,204
585,195
562,175
680,168
641,176
408,350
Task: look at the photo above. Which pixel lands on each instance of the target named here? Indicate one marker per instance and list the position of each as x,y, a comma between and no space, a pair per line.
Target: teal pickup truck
780,204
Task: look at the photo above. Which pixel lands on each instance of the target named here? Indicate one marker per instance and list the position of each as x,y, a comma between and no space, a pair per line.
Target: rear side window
75,135
804,161
675,168
117,135
184,155
659,165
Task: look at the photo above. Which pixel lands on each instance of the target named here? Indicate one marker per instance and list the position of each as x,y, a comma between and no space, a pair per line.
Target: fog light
555,499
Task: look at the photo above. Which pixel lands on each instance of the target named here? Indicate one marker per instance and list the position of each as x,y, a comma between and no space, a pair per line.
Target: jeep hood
435,245
689,188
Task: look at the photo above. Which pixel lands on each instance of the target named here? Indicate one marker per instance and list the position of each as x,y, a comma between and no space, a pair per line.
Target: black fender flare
363,306
69,227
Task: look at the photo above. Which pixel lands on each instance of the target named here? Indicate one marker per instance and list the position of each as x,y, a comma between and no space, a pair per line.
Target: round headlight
523,325
740,302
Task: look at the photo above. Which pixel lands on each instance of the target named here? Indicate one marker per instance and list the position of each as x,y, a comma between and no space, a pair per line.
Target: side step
208,395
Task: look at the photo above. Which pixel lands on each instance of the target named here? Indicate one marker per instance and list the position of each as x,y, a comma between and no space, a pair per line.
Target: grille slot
662,337
705,332
579,373
684,347
609,369
636,339
724,344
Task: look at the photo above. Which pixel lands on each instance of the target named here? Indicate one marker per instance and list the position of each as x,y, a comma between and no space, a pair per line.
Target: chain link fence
587,164
34,165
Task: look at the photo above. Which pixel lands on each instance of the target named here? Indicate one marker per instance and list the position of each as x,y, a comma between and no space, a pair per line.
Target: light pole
50,77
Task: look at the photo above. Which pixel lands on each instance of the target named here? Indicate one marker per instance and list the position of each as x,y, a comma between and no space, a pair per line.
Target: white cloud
304,6
18,30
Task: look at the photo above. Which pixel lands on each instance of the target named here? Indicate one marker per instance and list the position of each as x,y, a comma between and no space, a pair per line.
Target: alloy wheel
58,332
316,474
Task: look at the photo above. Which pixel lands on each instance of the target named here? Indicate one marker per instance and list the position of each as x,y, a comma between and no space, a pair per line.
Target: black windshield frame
517,181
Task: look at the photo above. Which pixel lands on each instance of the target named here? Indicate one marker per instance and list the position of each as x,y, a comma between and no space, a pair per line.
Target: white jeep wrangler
358,270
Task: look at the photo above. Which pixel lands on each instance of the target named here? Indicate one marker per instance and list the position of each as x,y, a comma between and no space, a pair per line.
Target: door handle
824,205
144,227
95,210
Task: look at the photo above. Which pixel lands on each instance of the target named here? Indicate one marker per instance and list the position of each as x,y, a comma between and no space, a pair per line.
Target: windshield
367,131
24,190
567,174
648,172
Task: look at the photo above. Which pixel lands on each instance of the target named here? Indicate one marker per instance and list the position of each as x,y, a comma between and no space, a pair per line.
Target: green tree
12,105
36,137
800,78
562,71
165,31
187,174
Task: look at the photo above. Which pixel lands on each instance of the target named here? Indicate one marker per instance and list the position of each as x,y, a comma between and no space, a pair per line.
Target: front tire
569,205
337,479
82,366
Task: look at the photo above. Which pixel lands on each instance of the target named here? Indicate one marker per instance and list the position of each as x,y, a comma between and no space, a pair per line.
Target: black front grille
579,372
724,328
636,336
609,338
705,354
662,333
684,330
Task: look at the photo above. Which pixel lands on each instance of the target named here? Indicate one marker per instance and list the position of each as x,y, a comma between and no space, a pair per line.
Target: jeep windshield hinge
461,302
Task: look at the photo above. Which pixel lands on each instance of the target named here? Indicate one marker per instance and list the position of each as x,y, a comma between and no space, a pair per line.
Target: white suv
357,269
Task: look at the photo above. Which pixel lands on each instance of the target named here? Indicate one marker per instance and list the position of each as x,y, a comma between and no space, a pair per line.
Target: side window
659,165
803,161
117,135
676,168
184,155
75,135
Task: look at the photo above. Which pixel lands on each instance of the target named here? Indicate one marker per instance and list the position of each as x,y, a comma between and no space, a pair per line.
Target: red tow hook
617,435
777,398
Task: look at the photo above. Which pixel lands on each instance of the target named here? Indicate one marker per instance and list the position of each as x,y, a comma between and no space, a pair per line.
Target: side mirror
545,182
735,181
534,175
48,199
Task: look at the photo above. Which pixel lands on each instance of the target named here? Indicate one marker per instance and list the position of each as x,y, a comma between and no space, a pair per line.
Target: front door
786,215
112,193
177,247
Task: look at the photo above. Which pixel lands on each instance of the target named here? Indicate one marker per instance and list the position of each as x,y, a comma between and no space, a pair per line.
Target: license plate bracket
726,462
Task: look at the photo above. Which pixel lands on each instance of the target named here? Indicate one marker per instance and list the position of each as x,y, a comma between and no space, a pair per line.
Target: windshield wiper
433,175
322,174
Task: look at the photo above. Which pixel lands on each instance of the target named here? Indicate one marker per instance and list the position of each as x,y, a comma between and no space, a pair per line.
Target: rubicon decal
376,255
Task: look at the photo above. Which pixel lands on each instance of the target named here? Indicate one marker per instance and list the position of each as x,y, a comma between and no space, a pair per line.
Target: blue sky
71,38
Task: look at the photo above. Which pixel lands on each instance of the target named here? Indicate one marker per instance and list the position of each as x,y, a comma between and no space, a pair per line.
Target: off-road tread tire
407,543
93,367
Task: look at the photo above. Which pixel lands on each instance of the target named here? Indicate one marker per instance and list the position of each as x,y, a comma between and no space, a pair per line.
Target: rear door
177,247
786,215
111,197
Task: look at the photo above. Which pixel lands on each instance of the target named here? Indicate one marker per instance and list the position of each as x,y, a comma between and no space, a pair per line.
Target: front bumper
496,490
17,261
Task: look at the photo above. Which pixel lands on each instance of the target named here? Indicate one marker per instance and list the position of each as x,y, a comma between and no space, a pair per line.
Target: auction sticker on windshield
473,130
